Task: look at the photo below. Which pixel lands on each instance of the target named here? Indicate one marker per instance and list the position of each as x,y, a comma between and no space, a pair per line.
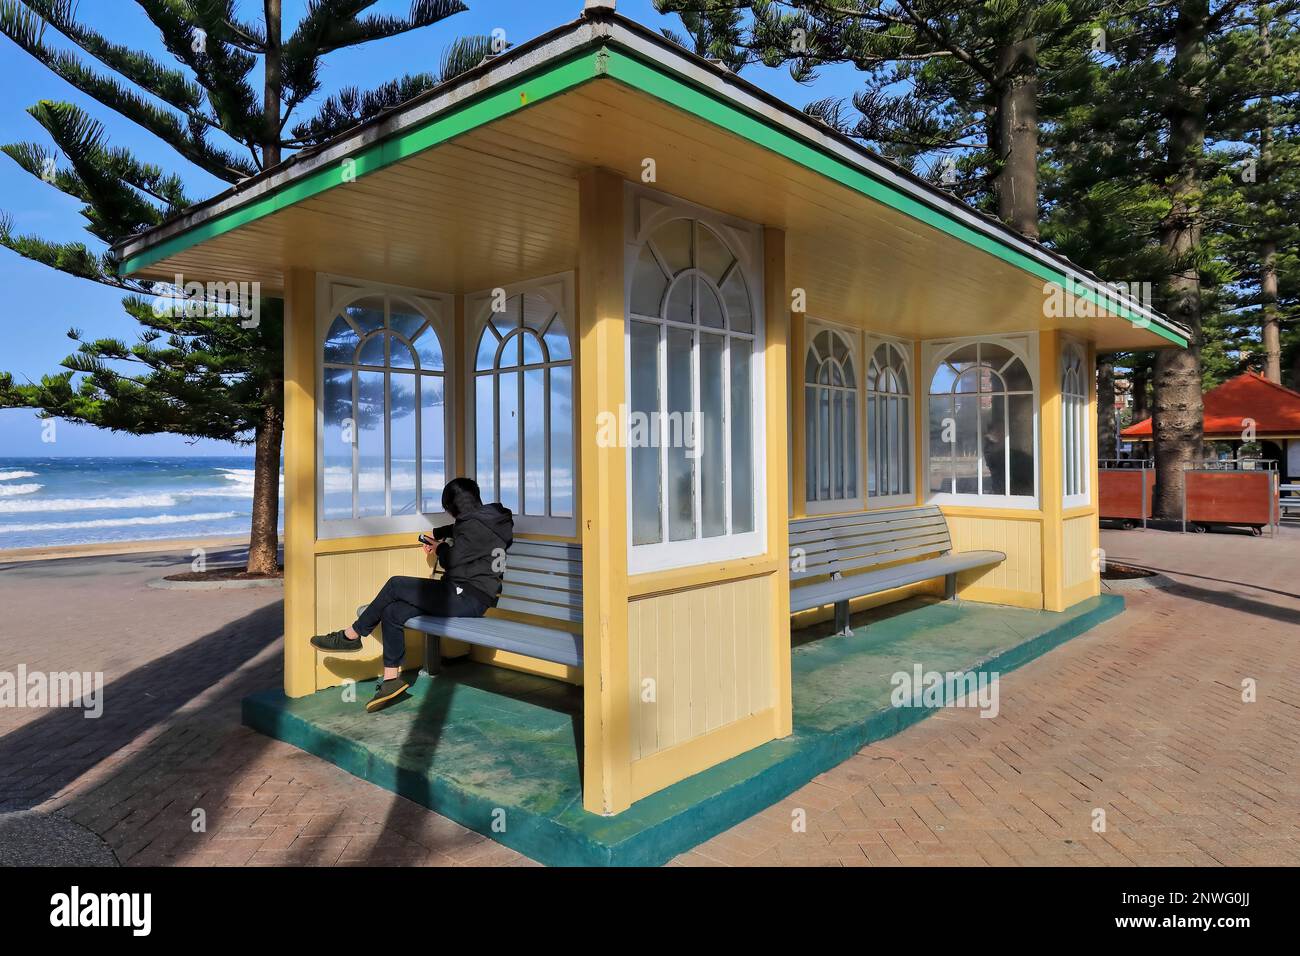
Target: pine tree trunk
271,87
1106,407
1271,330
1017,138
1178,419
1141,408
263,541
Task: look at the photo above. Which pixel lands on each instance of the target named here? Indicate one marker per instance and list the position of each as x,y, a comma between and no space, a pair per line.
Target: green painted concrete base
499,751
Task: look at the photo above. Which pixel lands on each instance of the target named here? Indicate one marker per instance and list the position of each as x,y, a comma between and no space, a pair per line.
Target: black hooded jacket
472,551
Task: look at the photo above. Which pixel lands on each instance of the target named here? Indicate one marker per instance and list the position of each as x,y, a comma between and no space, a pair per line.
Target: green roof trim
652,79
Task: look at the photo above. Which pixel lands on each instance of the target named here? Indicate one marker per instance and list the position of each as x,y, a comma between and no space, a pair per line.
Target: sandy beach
14,555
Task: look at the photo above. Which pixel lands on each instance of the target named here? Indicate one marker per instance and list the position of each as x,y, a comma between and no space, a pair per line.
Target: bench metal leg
842,627
432,655
950,586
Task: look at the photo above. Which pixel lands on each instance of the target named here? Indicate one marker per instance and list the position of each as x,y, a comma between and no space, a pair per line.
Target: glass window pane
851,446
487,349
1016,377
967,466
371,497
943,380
873,445
1020,416
644,398
532,348
537,311
485,438
557,341
993,430
508,437
942,417
810,442
823,444
712,257
433,443
562,442
710,307
681,467
399,353
742,437
837,445
681,301
507,320
336,442
736,296
904,446
372,351
367,314
648,284
711,439
534,412
405,323
429,350
340,342
674,244
969,380
995,356
965,355
402,403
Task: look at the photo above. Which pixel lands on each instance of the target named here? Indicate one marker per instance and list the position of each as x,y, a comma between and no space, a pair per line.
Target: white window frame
873,341
333,294
1023,345
645,211
557,290
1081,447
814,327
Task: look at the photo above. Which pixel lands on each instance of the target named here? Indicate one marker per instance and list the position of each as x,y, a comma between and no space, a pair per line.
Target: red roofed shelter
1233,406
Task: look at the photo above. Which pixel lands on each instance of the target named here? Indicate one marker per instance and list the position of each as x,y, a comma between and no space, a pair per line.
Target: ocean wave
9,491
118,522
14,475
29,505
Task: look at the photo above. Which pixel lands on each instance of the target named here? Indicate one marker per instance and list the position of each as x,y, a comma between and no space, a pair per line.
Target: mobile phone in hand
428,540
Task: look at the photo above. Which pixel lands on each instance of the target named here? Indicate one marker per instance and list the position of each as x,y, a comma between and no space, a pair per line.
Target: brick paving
1141,718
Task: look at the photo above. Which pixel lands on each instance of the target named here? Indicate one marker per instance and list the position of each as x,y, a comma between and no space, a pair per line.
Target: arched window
523,405
383,413
889,423
693,393
982,423
831,419
1074,424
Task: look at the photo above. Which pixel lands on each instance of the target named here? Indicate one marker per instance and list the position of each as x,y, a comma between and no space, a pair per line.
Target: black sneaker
386,693
336,641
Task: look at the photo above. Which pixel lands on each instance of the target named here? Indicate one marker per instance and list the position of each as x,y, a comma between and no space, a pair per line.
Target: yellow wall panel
1020,539
708,652
1076,547
343,583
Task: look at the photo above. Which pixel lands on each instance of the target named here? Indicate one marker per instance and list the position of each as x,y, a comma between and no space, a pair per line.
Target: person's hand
428,548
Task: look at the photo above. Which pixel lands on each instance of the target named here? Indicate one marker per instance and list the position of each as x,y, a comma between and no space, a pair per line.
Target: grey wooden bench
854,549
542,579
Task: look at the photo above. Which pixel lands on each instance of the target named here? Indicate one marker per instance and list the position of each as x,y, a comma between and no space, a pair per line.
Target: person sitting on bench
472,554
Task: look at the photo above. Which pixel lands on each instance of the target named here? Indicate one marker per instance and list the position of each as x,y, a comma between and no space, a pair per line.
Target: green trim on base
517,753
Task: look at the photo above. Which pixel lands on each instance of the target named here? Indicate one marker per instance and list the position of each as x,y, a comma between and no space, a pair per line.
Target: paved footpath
1141,718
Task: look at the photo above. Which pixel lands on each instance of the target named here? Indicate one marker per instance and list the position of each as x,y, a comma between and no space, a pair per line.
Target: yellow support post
797,493
778,383
607,778
299,482
1049,377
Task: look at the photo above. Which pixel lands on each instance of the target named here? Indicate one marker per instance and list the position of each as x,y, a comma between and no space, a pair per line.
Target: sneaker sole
377,702
337,650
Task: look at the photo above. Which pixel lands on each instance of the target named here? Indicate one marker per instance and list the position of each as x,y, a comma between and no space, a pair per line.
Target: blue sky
43,304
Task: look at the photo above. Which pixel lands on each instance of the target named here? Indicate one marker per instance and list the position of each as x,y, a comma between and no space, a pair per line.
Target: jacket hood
497,518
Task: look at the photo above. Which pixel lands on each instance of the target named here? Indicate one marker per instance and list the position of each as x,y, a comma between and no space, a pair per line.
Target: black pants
403,598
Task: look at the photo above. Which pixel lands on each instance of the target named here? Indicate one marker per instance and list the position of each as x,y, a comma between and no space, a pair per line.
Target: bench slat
867,527
531,640
864,517
874,540
854,561
809,596
557,611
560,550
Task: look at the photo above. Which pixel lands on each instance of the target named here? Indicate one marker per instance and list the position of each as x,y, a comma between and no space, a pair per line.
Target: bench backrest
866,540
543,578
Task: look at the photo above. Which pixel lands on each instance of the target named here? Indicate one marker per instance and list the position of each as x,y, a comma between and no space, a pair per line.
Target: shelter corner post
776,303
607,753
1049,359
299,482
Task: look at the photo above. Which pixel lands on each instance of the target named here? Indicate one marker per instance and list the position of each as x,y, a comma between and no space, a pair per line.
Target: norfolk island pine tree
202,372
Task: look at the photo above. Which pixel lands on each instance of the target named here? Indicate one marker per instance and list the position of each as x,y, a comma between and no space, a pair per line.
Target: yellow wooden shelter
508,276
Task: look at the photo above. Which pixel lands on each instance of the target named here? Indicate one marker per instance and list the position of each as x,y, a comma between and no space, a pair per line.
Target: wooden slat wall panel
1020,540
1076,541
345,581
708,651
